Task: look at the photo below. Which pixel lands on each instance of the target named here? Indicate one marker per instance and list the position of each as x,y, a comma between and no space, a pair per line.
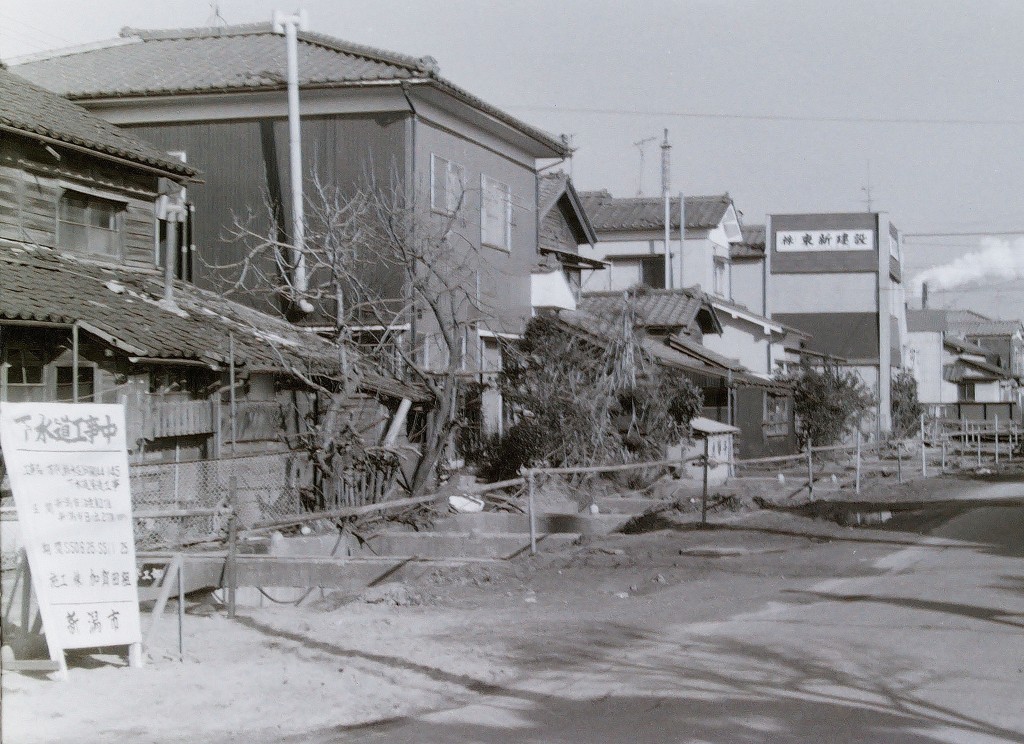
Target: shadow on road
714,689
989,614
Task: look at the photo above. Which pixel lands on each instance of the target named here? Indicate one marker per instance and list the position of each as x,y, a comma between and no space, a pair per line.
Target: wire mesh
180,505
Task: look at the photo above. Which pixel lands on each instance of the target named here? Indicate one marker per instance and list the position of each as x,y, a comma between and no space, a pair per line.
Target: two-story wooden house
369,119
88,315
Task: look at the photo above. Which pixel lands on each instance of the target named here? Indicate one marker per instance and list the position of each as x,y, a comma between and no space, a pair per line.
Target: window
89,224
965,392
447,185
721,278
777,415
652,272
24,370
66,391
496,214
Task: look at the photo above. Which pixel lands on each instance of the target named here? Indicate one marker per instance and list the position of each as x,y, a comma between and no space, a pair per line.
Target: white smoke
997,259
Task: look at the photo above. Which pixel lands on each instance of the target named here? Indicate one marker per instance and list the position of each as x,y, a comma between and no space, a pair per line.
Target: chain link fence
180,505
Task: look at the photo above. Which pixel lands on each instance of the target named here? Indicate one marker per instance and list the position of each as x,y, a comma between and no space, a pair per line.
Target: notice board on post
68,468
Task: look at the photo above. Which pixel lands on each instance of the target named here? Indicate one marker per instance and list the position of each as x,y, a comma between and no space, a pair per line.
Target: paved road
929,649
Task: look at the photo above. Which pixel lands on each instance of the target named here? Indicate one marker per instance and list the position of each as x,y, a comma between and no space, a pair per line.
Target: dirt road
769,628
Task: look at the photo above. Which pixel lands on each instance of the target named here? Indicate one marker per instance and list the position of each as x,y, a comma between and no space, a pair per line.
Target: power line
981,233
768,117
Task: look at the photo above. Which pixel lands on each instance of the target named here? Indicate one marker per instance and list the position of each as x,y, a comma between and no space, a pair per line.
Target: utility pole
290,25
665,163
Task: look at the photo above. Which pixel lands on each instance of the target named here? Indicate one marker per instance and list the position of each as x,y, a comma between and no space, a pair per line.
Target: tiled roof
676,351
123,306
985,327
246,57
27,109
752,245
660,308
551,189
612,214
964,346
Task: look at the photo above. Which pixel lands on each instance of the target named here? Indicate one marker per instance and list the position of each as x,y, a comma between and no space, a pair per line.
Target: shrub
828,403
906,408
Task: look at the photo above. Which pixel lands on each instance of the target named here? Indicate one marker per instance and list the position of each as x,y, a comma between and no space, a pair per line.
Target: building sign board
68,467
825,240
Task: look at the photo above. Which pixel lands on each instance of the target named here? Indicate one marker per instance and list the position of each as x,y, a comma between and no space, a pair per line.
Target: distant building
958,377
631,232
838,277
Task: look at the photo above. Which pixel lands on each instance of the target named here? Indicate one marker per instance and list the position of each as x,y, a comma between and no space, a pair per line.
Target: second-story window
496,214
721,286
89,224
447,185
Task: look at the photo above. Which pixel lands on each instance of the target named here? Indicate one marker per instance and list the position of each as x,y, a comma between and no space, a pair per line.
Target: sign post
68,467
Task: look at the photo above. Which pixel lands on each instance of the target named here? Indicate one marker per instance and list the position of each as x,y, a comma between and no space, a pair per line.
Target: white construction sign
68,467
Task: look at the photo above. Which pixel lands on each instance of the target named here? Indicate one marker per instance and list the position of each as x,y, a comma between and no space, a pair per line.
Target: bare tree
391,280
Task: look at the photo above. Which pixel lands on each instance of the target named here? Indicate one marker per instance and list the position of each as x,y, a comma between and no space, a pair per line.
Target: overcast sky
789,105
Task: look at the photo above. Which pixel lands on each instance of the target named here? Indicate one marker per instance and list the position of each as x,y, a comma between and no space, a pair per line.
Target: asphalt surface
928,647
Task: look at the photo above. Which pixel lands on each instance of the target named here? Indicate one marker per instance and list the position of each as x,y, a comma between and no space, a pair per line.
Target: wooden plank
352,511
167,582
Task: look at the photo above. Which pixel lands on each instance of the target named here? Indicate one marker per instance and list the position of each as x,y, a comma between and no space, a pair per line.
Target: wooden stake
810,469
181,609
856,481
704,492
232,563
532,515
924,461
997,439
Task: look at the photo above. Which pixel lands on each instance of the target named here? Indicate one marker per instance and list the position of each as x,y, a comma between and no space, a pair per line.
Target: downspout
289,25
74,362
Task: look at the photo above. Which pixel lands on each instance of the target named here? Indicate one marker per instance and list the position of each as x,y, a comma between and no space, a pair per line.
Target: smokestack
924,296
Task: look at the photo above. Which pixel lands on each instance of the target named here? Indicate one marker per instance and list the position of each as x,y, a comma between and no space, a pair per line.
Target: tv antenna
215,20
641,145
867,190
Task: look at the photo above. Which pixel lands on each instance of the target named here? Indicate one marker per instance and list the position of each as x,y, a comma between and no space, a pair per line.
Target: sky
789,105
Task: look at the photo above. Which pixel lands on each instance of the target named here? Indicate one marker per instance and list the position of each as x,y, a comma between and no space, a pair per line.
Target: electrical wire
768,117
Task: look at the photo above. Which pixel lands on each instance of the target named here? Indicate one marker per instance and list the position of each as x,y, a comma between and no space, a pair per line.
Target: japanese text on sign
825,240
69,472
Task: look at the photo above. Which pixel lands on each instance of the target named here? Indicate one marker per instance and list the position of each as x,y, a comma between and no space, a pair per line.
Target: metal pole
181,608
74,362
232,567
682,237
289,25
810,470
943,454
856,482
978,437
529,506
704,492
924,461
231,383
899,462
665,148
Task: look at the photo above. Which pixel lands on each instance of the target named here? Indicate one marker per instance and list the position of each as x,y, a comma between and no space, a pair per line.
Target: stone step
629,506
465,544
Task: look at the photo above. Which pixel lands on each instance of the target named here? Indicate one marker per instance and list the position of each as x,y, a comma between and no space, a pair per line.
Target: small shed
721,440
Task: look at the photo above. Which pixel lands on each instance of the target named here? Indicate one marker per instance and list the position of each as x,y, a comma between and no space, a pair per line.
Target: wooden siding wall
32,181
556,233
246,178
